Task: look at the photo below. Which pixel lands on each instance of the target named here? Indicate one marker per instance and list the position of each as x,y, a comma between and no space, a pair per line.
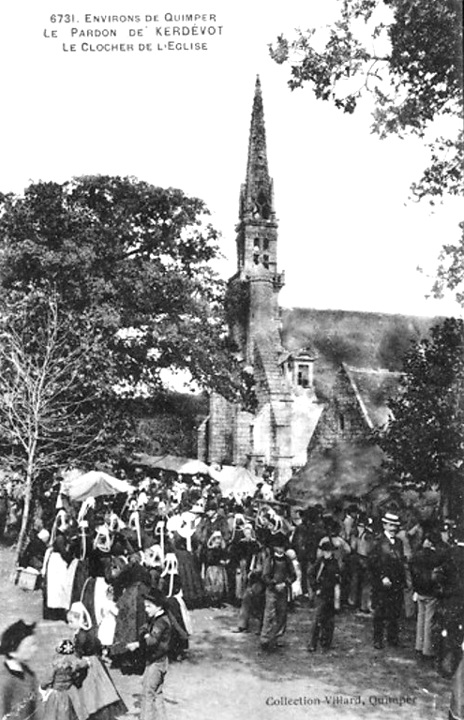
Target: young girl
68,671
107,627
97,698
216,585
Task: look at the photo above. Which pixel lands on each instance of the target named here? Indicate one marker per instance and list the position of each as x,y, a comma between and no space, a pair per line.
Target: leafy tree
424,441
450,271
126,267
415,74
407,56
130,264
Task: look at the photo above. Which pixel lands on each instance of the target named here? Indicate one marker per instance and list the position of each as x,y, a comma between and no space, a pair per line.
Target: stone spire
257,193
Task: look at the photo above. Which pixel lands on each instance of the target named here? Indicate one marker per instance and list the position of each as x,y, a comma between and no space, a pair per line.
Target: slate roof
373,388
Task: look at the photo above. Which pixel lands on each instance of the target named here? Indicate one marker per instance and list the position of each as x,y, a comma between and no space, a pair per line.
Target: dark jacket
155,638
387,561
423,564
326,575
86,643
278,570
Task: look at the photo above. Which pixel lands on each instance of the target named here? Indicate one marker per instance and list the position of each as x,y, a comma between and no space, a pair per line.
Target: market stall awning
173,463
79,486
236,480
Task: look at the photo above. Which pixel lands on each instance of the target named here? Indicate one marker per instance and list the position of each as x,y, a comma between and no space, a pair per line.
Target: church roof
306,415
359,339
267,348
373,388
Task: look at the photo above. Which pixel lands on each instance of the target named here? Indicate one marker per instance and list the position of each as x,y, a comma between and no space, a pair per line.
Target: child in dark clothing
326,577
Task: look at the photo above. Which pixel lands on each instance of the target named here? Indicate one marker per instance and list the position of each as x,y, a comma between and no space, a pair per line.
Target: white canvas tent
173,463
236,480
80,486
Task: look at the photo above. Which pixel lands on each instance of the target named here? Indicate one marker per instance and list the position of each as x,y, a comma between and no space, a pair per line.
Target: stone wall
221,427
342,419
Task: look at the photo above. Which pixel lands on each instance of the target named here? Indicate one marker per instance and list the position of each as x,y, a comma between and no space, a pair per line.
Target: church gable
358,405
375,388
344,418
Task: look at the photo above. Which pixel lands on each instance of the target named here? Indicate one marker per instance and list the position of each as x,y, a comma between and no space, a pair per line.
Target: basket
28,578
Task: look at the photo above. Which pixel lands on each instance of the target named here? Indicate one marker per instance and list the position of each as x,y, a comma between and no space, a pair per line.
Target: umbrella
79,486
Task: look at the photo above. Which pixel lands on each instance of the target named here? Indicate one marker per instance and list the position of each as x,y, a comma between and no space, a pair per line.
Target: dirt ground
227,676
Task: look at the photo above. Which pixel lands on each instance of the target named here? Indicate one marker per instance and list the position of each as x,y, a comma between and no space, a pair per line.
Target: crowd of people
125,571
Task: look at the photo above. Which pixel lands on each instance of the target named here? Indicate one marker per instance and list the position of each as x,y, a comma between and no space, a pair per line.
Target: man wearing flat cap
388,577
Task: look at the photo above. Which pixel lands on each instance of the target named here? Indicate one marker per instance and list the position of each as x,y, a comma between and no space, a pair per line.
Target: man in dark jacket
278,576
154,640
253,599
388,577
305,541
326,577
424,564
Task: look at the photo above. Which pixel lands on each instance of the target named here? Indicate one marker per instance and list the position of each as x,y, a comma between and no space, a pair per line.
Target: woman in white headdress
59,568
169,584
189,569
97,698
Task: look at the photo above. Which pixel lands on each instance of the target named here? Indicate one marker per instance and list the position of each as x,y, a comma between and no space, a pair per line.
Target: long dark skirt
129,621
179,637
190,579
216,585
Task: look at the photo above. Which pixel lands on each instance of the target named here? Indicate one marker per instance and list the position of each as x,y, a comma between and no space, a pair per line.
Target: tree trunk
26,514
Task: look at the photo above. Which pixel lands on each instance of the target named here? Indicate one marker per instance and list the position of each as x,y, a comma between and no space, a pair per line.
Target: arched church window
265,244
342,421
266,261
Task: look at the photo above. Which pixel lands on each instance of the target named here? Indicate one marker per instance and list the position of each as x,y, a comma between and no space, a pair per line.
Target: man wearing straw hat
387,567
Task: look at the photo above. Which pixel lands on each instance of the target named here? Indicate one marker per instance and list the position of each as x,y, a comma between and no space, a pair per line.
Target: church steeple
257,229
257,199
253,290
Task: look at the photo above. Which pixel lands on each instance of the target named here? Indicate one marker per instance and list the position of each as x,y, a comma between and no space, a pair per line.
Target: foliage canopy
407,56
130,265
424,441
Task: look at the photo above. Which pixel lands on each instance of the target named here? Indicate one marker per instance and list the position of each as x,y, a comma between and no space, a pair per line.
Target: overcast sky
348,237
